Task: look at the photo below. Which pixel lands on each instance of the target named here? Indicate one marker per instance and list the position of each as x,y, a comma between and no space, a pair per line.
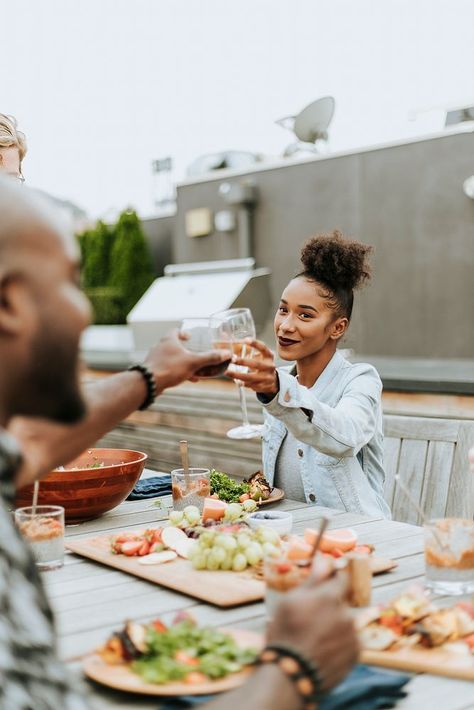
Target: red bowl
86,493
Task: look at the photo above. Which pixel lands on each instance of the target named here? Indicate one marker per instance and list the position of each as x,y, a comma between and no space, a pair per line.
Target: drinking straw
183,447
317,542
35,497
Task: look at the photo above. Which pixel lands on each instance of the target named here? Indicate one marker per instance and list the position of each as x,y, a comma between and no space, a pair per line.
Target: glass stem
243,404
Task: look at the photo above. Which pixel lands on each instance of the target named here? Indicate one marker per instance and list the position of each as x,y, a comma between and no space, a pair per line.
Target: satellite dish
310,125
313,121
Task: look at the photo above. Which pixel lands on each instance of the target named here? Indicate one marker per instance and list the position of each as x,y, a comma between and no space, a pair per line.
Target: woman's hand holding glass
261,376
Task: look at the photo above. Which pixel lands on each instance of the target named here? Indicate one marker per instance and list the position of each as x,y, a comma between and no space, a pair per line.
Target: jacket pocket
326,461
344,485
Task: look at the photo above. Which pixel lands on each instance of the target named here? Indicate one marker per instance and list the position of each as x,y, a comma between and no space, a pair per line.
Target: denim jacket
338,424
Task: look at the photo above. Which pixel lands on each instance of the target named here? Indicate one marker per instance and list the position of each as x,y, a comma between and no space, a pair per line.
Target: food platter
120,677
221,588
411,633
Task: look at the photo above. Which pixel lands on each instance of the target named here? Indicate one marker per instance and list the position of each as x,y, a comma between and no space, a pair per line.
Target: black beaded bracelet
302,672
151,392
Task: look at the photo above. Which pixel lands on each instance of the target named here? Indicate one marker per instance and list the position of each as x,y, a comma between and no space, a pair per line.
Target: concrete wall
159,235
407,201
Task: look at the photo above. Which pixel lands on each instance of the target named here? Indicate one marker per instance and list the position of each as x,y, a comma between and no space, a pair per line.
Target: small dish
280,521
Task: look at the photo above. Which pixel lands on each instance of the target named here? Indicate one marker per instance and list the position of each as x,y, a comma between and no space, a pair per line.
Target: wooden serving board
220,588
432,660
122,678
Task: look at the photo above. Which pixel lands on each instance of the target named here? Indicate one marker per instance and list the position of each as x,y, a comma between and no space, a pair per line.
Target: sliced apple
183,547
171,536
158,558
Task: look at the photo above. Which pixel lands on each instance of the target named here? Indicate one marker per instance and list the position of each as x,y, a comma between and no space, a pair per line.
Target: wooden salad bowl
86,490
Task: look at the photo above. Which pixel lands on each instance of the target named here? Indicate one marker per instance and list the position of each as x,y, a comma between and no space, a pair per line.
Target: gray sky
101,87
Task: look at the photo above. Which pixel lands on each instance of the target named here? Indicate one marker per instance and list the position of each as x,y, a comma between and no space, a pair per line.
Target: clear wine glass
235,325
203,335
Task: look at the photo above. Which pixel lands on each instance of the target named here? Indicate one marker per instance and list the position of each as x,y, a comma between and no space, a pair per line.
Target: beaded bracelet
303,673
151,392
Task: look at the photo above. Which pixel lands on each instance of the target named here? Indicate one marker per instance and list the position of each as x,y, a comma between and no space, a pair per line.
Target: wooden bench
429,453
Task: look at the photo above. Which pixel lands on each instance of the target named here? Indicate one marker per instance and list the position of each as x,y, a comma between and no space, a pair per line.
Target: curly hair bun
337,263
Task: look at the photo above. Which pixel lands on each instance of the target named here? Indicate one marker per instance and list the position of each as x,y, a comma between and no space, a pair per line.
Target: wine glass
203,335
234,326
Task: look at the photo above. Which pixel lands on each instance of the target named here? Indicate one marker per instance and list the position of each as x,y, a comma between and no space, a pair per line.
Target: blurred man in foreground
46,444
42,314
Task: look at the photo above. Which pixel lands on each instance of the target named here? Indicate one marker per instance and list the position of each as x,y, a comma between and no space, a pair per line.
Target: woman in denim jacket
323,440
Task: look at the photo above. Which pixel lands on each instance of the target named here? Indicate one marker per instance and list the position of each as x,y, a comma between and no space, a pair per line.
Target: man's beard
52,388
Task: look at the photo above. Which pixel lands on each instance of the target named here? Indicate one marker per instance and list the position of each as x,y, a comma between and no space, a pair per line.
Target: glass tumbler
449,556
43,528
191,489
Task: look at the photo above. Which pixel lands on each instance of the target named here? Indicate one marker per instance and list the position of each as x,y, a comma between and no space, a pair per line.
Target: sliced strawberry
125,537
144,549
131,547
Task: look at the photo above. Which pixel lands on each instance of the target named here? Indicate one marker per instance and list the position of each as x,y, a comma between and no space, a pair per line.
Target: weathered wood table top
91,600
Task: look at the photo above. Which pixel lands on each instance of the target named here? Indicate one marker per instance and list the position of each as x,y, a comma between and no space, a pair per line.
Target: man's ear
15,312
339,327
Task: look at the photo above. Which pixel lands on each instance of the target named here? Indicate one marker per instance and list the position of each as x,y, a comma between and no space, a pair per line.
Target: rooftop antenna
310,126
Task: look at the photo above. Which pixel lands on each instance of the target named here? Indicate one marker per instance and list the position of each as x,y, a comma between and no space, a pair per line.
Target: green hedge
117,267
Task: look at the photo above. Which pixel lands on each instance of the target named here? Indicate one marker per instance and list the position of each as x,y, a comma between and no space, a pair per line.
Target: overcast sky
101,87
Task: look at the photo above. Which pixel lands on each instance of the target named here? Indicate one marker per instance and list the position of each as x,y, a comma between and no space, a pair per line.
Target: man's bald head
42,310
27,220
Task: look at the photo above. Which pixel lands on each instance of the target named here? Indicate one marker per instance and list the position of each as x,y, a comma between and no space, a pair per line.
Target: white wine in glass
235,325
201,336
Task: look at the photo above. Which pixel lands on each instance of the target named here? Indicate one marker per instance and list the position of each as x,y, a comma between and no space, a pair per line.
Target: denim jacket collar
327,375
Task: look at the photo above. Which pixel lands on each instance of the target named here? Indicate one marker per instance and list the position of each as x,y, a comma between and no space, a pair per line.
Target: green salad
185,650
226,488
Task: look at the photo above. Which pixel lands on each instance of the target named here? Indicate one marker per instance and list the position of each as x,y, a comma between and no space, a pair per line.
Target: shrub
116,267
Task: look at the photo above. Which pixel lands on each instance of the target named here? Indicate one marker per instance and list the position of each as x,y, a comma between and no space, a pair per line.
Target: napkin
365,688
151,488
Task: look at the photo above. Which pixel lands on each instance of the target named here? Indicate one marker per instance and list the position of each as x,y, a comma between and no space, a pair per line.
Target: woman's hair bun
335,262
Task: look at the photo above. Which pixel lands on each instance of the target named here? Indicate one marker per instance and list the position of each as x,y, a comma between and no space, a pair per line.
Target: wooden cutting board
220,588
432,660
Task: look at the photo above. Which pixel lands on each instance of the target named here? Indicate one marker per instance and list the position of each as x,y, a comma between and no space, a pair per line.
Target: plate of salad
255,488
181,659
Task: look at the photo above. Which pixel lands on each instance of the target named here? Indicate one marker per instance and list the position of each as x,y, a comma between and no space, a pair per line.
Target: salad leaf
226,488
213,652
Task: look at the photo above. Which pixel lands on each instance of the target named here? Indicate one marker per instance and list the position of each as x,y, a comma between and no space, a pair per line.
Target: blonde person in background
46,444
12,147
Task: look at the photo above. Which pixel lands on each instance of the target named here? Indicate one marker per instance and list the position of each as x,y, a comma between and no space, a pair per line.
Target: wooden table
91,600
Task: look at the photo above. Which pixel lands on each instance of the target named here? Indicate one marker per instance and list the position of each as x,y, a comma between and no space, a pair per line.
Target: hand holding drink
201,335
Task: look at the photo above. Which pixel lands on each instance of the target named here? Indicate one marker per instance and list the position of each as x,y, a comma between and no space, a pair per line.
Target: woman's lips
286,342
